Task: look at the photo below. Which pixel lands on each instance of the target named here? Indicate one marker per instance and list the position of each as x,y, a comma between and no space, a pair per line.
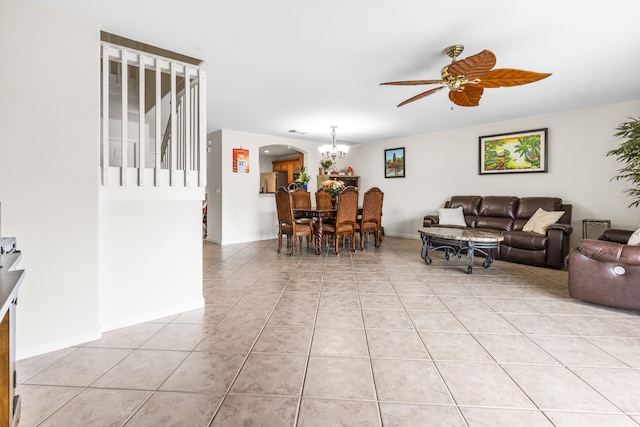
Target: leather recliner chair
606,271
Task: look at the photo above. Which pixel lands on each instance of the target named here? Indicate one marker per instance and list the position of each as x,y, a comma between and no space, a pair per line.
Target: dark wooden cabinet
289,166
10,280
349,180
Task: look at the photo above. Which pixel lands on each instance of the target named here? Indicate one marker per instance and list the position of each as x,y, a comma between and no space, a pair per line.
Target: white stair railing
130,142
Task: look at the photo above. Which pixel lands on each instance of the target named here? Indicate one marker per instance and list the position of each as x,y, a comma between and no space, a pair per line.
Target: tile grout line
309,347
435,366
243,364
366,338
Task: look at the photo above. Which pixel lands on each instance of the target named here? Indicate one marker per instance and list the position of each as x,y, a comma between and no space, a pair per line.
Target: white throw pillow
454,216
634,239
541,220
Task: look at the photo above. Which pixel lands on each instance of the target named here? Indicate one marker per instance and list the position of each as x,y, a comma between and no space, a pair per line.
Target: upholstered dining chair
323,200
346,216
302,200
286,221
371,219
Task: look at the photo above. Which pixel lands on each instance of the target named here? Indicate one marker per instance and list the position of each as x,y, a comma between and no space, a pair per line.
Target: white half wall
440,165
150,259
49,154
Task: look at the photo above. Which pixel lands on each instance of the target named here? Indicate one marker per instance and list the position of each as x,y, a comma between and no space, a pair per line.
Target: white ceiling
278,65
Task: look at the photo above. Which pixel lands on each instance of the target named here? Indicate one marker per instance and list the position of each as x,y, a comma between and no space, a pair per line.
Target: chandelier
333,151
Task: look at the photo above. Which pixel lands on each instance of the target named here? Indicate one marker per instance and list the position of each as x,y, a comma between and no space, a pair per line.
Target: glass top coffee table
456,241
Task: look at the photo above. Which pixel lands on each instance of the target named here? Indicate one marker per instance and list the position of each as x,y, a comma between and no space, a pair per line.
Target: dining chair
323,200
345,222
286,221
302,200
371,218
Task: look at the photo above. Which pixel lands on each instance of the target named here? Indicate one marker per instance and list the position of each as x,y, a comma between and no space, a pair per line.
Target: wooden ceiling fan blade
469,96
505,77
421,95
473,66
415,82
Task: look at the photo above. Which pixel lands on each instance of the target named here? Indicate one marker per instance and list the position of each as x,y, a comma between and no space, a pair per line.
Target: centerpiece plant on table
333,187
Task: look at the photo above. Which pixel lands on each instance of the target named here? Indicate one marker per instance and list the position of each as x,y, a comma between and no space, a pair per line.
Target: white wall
48,160
443,164
95,258
244,214
150,258
439,165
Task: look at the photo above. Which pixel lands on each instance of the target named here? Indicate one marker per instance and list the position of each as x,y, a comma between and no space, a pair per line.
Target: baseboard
152,315
54,344
59,343
406,236
239,242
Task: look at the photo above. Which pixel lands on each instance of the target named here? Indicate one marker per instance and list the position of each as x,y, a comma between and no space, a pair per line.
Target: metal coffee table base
456,248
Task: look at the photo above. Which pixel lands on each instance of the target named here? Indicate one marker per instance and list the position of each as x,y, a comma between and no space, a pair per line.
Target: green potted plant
629,153
303,178
326,165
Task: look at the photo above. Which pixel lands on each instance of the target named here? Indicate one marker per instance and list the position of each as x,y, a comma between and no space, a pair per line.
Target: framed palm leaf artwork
517,152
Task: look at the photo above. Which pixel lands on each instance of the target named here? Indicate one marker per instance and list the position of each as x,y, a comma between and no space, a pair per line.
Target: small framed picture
240,160
394,166
516,152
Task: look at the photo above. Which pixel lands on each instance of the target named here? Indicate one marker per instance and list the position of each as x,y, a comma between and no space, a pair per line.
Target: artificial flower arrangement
326,164
333,187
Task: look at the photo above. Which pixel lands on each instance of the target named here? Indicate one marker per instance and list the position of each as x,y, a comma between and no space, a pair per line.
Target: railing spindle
142,146
124,119
187,127
202,128
172,143
105,114
158,141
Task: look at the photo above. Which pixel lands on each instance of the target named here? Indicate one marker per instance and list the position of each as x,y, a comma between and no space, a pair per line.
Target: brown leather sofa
507,215
606,271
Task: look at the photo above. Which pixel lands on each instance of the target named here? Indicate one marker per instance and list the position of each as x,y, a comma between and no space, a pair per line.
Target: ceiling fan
468,77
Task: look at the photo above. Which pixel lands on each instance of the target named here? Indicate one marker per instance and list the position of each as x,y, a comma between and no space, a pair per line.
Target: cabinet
349,180
288,166
10,281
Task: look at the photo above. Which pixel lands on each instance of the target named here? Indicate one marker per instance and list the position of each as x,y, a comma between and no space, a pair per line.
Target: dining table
319,215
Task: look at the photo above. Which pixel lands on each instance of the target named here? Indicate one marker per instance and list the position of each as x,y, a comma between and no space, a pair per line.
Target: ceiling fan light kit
467,78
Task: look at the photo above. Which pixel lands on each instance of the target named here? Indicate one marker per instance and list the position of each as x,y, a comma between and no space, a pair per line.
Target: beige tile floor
362,339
